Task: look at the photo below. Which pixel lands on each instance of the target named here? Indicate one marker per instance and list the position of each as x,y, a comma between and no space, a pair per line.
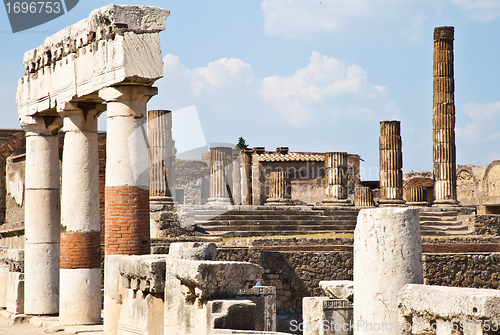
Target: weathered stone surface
325,316
449,303
212,279
116,44
264,298
15,293
141,313
193,251
231,314
336,164
391,163
220,175
338,289
387,256
145,273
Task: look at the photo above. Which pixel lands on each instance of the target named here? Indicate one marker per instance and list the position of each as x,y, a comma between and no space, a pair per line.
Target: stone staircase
444,222
273,221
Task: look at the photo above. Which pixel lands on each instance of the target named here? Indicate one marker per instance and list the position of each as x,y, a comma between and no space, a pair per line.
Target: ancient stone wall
486,224
192,176
479,186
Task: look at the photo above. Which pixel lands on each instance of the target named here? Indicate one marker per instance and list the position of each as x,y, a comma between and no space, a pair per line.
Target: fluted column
246,177
127,229
220,176
443,123
161,156
80,293
363,197
279,189
42,215
236,179
391,164
416,196
336,178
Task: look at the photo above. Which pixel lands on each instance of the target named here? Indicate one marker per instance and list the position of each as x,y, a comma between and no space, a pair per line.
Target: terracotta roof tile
271,156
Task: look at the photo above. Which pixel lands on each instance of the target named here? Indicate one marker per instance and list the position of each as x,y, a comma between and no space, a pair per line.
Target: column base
391,203
446,203
163,200
219,201
279,202
417,203
337,202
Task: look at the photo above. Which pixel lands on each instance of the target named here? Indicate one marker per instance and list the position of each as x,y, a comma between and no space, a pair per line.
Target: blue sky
312,75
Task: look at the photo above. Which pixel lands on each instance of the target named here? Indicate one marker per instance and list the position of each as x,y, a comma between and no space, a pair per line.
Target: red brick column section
127,221
80,250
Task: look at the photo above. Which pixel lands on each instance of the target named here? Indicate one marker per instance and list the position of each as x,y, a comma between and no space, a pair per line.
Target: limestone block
115,44
449,303
338,289
193,251
113,293
325,316
15,293
205,280
4,279
264,298
387,256
145,273
231,314
14,258
141,313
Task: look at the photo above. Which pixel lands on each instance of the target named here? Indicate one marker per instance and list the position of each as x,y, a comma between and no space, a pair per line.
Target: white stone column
80,294
127,229
42,213
387,256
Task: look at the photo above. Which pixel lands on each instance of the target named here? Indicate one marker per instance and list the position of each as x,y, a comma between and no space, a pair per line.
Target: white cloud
484,123
479,10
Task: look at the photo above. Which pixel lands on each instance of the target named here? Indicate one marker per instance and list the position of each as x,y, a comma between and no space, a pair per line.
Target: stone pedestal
416,196
336,177
246,177
363,197
127,188
80,289
279,189
161,156
42,215
391,163
443,123
220,176
387,256
325,316
264,298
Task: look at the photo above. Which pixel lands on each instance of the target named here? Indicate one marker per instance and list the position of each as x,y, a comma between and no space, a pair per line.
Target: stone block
325,316
141,313
338,289
231,314
145,273
193,251
4,279
15,293
264,298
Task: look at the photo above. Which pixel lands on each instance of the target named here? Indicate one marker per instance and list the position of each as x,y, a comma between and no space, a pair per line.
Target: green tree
241,144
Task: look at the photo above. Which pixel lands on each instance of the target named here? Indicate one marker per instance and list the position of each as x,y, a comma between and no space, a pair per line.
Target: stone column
127,188
246,177
220,176
363,197
236,177
161,166
279,189
336,178
387,256
416,196
42,215
80,293
391,163
443,123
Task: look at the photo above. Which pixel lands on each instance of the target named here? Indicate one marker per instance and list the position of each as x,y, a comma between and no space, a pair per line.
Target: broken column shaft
220,162
279,188
443,123
391,163
336,178
246,177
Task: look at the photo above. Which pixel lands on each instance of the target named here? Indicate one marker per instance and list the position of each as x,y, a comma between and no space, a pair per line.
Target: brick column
127,188
336,178
42,215
161,156
391,163
443,123
80,293
246,177
220,176
279,189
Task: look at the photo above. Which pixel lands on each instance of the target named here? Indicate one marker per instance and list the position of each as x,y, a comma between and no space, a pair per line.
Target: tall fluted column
161,156
127,188
336,177
236,179
42,215
279,189
220,176
80,294
246,177
363,197
391,164
443,123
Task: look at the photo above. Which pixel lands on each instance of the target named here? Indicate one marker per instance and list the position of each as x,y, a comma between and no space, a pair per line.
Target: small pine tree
241,144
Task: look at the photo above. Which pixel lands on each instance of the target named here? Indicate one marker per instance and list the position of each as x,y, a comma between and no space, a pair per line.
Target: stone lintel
145,273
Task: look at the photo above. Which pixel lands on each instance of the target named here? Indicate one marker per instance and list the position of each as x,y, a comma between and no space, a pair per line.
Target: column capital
41,125
128,92
80,116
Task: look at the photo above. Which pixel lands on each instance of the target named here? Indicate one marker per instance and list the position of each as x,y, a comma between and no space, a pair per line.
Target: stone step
229,223
441,223
267,233
295,228
436,218
439,214
231,217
